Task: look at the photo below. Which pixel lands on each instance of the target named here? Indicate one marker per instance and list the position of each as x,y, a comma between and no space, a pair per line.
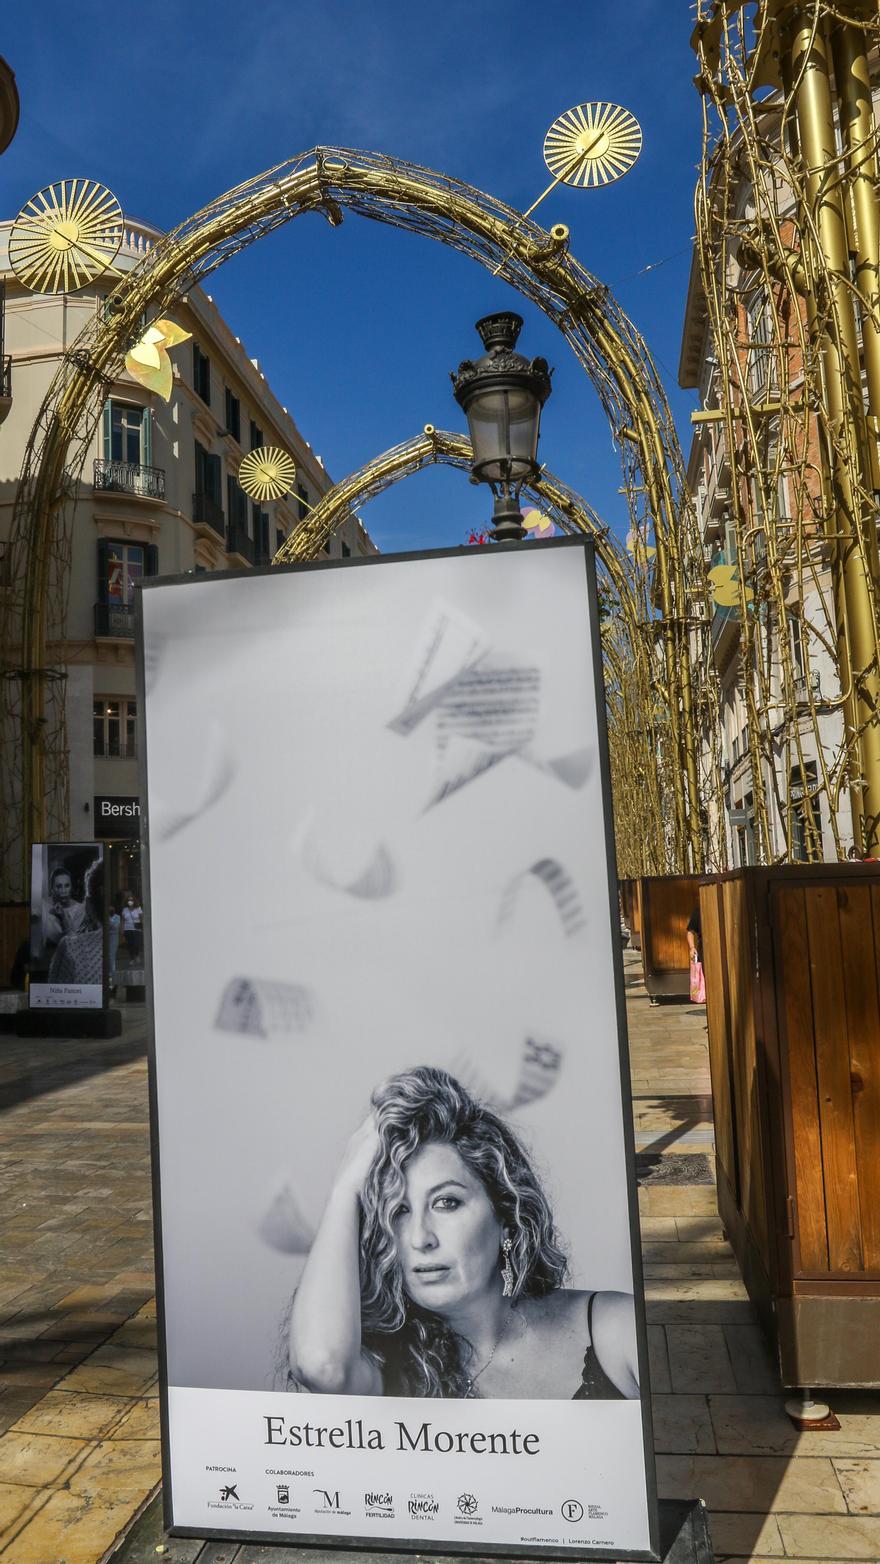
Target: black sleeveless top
595,1384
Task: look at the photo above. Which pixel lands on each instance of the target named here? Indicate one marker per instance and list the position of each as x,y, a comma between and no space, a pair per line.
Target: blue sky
357,328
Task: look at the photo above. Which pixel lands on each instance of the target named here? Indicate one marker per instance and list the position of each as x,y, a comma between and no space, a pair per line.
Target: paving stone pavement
79,1434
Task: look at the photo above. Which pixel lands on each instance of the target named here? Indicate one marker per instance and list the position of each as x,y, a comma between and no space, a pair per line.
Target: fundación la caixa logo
229,1498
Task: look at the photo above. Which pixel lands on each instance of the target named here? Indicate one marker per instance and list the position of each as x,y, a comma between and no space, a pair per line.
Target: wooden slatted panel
865,1060
669,904
753,1193
859,955
636,924
717,1016
794,998
833,1075
14,927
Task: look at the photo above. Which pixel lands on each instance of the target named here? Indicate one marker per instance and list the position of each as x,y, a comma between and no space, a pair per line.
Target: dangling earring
507,1270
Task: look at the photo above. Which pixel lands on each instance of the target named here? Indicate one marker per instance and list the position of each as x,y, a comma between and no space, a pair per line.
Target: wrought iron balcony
130,478
209,513
238,542
806,685
114,619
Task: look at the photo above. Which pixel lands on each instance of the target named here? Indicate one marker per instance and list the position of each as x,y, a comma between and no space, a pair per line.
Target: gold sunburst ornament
592,144
65,236
267,473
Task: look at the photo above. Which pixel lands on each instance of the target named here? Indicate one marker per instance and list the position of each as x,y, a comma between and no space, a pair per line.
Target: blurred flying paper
450,644
526,1073
573,769
497,705
540,1065
217,771
566,899
376,879
261,1008
487,713
283,1226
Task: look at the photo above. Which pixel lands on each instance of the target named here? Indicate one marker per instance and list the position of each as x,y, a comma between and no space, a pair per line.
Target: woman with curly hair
436,1269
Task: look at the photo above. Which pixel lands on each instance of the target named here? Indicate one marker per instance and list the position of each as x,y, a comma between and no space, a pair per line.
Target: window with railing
233,415
260,525
236,503
128,433
238,538
127,452
201,374
208,496
796,642
114,727
121,565
759,336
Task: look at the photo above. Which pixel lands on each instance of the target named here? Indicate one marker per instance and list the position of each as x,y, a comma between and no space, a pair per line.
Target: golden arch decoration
569,509
638,748
384,189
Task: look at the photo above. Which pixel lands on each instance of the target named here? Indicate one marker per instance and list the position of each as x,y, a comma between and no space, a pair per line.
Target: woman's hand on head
358,1157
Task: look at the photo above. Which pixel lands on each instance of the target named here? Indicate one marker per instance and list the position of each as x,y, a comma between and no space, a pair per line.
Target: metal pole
858,131
854,558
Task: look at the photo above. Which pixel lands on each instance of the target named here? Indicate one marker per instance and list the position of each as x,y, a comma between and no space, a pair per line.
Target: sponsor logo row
378,1505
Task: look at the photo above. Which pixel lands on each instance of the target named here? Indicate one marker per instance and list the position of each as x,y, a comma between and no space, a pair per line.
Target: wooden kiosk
792,962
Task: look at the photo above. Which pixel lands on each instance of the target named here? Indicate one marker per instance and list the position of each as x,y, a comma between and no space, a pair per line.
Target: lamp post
501,395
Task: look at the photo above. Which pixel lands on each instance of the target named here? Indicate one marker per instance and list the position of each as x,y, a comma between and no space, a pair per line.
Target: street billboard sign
400,1293
67,926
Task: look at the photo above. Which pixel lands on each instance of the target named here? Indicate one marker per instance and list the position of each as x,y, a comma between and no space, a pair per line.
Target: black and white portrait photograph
67,925
389,1111
437,1270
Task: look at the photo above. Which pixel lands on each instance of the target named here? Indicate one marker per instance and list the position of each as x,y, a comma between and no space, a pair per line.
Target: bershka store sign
418,1323
117,817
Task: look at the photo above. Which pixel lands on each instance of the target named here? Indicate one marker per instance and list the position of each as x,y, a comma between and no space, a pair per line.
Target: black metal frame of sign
602,910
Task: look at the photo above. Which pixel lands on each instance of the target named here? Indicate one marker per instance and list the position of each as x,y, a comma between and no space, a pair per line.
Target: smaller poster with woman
67,926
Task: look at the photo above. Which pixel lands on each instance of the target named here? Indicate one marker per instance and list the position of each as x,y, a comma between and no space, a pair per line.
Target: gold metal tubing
388,190
643,776
853,560
859,132
672,604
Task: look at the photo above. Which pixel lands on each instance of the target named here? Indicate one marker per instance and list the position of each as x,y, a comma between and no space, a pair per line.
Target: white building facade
159,495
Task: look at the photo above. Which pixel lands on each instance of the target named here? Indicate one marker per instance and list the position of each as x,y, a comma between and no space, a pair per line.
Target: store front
117,825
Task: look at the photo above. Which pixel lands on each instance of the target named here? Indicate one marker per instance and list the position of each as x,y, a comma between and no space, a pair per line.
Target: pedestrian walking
695,947
132,920
114,930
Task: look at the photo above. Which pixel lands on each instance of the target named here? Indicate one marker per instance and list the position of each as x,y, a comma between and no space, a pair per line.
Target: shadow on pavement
33,1067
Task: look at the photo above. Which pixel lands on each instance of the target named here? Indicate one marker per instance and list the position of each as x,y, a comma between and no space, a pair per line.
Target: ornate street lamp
501,395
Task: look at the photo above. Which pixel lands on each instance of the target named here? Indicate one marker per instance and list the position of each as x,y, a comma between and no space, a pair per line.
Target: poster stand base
68,1023
684,1539
684,1532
